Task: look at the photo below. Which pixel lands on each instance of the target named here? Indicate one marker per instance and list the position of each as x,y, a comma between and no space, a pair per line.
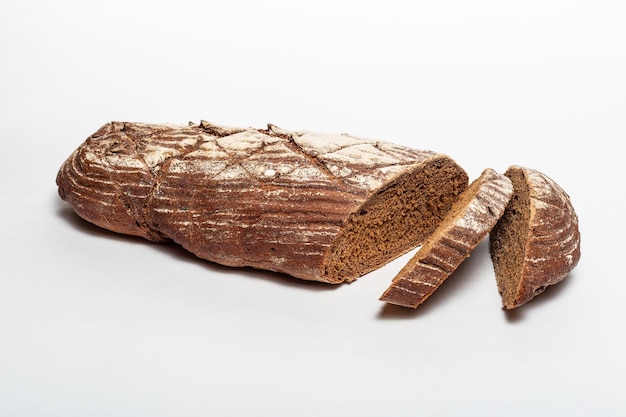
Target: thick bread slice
536,243
319,207
471,218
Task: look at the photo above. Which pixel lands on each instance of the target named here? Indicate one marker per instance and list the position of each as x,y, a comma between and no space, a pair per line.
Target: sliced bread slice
471,218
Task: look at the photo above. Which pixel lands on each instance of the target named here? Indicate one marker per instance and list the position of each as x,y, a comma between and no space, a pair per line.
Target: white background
95,324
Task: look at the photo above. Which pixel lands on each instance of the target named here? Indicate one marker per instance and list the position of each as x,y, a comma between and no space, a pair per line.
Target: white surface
94,324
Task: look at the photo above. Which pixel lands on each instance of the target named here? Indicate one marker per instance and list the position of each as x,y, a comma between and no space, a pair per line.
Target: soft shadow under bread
454,285
179,254
521,313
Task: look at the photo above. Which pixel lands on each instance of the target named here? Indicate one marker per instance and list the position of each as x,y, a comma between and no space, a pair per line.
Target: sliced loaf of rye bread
536,243
319,207
468,222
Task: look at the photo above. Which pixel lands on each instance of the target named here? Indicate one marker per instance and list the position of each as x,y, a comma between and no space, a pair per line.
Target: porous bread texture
536,243
471,218
391,221
319,207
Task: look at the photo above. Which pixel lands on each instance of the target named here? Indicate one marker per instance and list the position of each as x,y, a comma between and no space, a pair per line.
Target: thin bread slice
471,218
536,243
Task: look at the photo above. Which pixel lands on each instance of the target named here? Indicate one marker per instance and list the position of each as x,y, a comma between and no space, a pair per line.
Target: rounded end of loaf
106,183
536,243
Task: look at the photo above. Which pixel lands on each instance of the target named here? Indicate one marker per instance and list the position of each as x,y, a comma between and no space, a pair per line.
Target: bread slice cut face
471,218
536,243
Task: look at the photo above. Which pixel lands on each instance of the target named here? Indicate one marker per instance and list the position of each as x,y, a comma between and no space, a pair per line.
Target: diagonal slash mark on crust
294,146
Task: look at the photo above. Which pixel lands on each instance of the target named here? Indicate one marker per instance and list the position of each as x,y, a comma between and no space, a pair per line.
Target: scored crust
536,243
315,206
478,209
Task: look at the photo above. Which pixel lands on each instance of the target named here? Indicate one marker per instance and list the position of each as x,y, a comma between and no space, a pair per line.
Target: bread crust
271,199
468,222
537,242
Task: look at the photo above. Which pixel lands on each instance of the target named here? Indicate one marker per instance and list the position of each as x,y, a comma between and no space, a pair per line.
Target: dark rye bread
536,243
468,222
319,207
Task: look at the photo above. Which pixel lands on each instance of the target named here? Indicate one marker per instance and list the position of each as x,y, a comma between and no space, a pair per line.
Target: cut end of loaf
395,220
536,243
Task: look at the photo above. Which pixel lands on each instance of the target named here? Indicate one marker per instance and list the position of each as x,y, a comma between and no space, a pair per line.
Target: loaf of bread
464,227
536,243
319,207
